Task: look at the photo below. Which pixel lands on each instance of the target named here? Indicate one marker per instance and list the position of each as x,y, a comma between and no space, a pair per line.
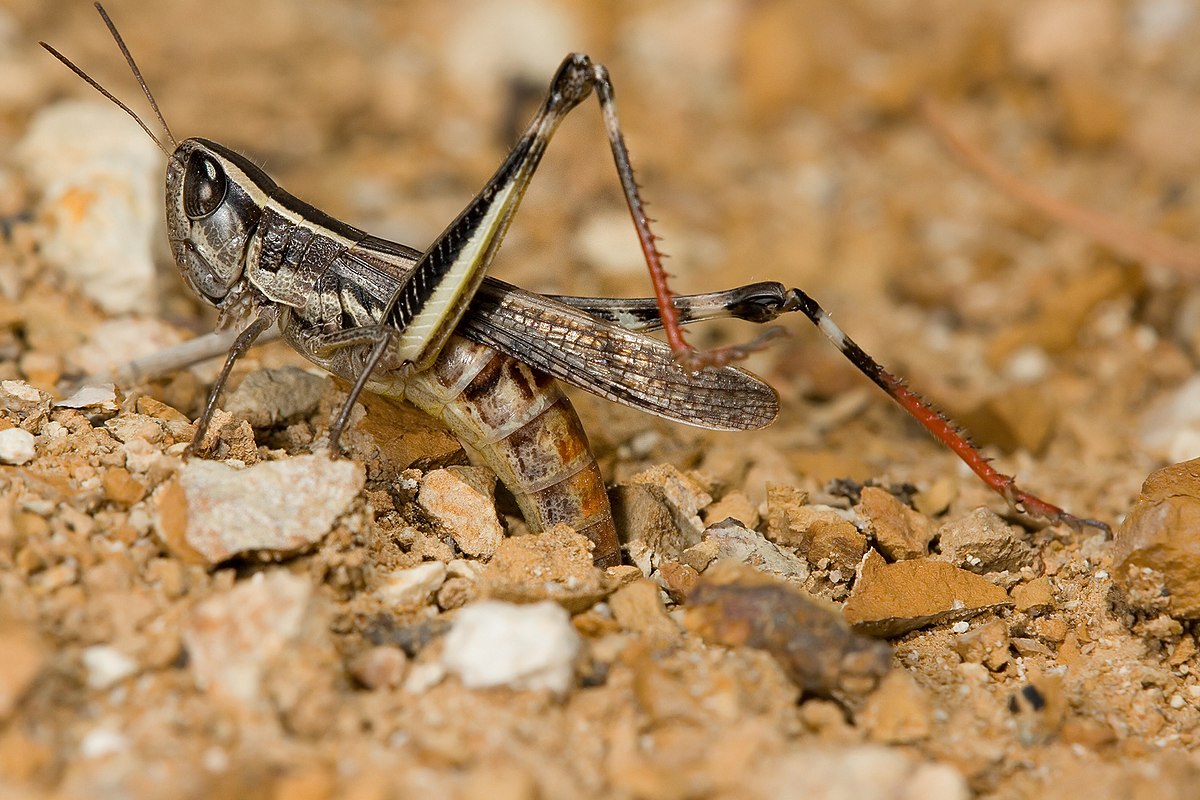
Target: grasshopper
481,355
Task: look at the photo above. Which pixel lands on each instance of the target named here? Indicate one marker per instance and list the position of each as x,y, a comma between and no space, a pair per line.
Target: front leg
267,318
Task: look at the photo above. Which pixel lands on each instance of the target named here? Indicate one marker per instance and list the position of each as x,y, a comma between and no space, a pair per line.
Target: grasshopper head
214,202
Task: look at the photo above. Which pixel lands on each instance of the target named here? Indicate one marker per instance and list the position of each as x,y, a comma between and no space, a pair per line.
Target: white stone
102,397
407,588
102,741
523,647
232,636
16,446
277,506
100,183
106,665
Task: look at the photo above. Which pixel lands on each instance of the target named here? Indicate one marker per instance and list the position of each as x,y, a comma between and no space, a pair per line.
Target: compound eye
204,186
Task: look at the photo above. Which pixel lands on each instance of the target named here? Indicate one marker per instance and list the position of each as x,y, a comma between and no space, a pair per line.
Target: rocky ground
832,607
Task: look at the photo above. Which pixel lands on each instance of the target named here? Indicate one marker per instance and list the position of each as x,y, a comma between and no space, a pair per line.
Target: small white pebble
106,665
101,742
523,646
1101,575
16,446
960,627
1177,701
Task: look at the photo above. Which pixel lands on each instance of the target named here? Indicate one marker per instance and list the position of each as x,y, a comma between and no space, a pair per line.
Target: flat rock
211,512
1156,551
461,500
893,599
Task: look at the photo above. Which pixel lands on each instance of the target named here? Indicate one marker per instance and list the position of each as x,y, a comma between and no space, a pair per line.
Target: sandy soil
774,142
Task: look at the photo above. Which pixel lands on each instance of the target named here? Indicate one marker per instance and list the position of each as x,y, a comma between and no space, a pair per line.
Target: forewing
621,365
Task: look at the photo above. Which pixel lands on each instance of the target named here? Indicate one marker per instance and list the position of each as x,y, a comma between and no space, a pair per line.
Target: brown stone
892,599
738,606
1156,551
900,532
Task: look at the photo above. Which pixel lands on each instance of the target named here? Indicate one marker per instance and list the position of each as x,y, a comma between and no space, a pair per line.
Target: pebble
212,512
750,547
380,667
1155,552
494,643
231,636
986,644
99,179
1034,597
638,607
899,531
892,599
898,712
106,666
101,398
553,565
269,397
16,446
983,542
735,605
413,587
461,500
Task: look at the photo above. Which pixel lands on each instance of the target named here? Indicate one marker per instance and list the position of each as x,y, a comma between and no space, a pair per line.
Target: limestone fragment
553,565
213,512
232,636
986,644
749,547
269,397
99,194
380,667
106,665
529,647
900,532
461,500
982,542
16,446
738,606
412,587
1156,551
893,599
1035,597
638,607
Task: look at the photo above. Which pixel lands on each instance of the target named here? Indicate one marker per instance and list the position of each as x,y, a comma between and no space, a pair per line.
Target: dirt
774,141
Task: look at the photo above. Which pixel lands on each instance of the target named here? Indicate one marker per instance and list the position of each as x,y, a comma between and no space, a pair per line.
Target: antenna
111,97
